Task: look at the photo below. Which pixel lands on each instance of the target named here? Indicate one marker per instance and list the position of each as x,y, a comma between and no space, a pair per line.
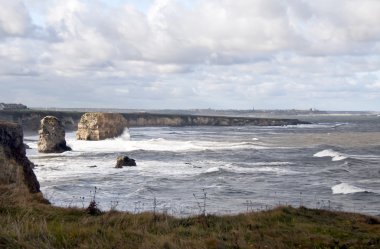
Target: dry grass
36,225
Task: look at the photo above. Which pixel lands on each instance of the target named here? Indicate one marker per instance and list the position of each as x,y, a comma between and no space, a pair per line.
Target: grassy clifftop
44,226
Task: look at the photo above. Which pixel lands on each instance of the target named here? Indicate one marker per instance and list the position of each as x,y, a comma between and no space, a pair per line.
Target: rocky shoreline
30,119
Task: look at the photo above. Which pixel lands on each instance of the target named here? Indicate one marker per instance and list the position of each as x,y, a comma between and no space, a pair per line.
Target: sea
333,163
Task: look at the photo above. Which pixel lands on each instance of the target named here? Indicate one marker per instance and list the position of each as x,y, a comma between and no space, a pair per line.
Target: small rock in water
92,166
124,161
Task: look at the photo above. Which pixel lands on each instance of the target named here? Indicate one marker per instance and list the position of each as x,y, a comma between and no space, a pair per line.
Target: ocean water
333,163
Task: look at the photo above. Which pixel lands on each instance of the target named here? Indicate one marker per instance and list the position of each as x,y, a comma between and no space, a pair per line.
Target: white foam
269,163
313,126
123,143
247,170
336,156
344,188
213,169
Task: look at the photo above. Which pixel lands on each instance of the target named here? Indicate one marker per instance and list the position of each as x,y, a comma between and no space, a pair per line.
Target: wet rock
100,126
52,136
124,161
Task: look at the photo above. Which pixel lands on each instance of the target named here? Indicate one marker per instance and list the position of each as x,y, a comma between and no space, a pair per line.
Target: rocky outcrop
15,168
52,136
99,126
124,161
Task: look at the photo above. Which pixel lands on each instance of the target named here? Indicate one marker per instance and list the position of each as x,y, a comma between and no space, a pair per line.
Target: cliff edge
16,171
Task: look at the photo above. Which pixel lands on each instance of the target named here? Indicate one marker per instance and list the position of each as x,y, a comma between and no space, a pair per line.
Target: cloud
215,53
14,18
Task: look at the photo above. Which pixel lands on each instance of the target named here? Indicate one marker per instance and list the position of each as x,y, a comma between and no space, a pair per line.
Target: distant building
11,107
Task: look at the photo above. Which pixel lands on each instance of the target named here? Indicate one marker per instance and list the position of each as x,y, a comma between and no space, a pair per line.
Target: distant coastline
216,112
30,118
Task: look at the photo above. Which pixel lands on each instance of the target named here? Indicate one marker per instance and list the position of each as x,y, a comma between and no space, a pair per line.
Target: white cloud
14,18
222,53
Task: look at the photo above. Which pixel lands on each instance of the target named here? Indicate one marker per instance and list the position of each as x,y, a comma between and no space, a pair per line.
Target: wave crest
336,156
124,143
344,188
246,170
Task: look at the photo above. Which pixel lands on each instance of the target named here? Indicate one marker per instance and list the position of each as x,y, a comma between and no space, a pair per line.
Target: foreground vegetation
36,225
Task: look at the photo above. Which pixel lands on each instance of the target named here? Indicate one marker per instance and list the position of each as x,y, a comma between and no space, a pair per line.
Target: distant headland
12,107
30,118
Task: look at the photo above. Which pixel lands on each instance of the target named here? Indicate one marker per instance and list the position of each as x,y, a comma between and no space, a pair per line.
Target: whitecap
313,126
344,188
247,170
269,163
124,143
243,170
213,169
336,156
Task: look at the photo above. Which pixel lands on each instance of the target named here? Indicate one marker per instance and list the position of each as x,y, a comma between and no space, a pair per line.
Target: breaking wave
336,156
124,143
344,188
245,170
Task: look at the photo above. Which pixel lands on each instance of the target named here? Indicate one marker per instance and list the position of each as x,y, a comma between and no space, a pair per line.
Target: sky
183,54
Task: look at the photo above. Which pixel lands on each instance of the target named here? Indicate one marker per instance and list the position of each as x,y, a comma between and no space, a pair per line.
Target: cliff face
145,119
99,126
30,120
15,168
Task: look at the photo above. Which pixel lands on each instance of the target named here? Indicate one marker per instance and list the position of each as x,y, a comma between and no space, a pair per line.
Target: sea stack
16,171
100,126
52,136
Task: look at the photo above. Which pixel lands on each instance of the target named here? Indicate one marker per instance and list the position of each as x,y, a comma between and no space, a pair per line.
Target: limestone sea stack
52,136
15,168
100,126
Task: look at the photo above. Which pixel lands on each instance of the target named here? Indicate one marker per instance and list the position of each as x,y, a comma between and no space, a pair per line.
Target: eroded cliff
30,120
16,171
146,119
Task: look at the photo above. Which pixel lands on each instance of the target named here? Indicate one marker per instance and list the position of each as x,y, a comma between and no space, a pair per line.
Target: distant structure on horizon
12,107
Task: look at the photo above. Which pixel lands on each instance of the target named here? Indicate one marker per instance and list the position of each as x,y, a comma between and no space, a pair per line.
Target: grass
36,225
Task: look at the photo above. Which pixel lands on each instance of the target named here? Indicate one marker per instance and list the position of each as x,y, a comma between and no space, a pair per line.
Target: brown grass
36,225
